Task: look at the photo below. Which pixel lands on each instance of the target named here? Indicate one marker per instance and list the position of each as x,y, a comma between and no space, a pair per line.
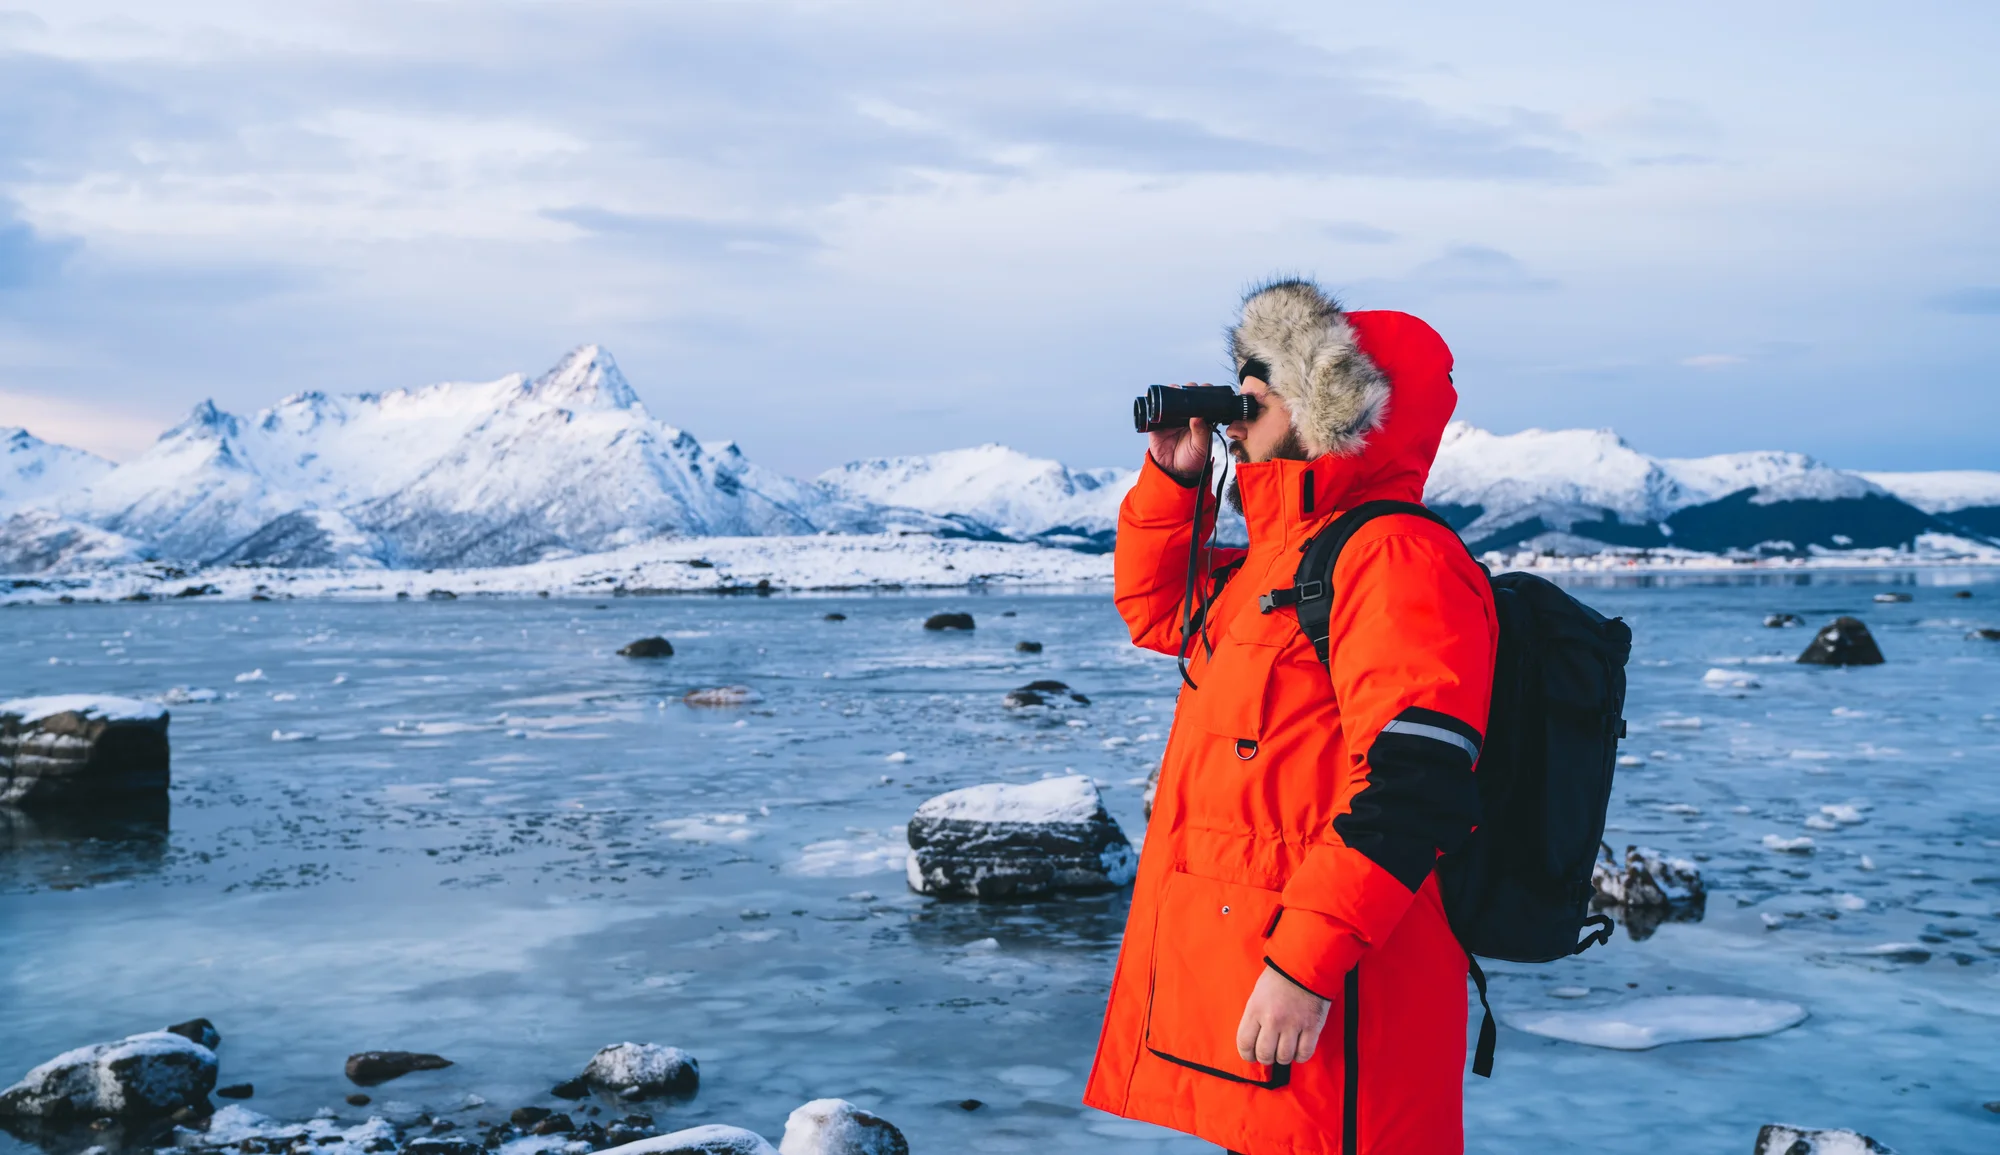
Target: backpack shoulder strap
1312,586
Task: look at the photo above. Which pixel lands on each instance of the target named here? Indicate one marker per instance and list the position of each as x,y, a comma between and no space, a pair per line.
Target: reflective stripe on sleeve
1435,733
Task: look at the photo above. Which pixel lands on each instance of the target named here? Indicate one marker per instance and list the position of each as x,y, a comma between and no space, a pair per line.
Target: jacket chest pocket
1208,952
1234,698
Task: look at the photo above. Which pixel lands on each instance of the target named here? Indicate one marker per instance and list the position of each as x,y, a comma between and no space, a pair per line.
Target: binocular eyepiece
1171,407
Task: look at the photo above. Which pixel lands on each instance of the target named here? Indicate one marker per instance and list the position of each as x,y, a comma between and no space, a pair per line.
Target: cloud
1713,360
26,256
686,236
1979,301
1477,269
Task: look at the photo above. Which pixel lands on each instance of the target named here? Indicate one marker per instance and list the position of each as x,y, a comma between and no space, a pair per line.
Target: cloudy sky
833,230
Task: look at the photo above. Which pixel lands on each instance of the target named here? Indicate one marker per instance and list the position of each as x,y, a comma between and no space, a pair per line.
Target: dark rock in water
836,617
1647,889
1782,621
556,1124
570,1089
1001,841
1778,1139
193,1113
199,1030
82,749
948,622
592,1134
371,1067
838,1127
141,1077
235,1091
141,596
1961,593
648,648
970,1104
357,1099
528,1116
1007,613
1028,647
643,1071
440,596
1985,632
402,595
1043,692
1892,597
1844,643
436,1145
200,591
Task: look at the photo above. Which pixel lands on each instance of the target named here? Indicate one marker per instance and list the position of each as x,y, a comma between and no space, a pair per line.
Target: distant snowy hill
1021,497
32,471
570,464
1580,491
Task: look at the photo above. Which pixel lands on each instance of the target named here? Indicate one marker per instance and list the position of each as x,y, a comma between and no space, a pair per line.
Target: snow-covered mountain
1021,497
32,471
570,463
1583,490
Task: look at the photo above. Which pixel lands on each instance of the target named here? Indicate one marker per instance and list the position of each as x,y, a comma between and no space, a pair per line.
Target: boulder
442,1145
1961,593
1043,692
838,1127
712,1139
1782,621
441,596
1846,642
1778,1139
1001,841
948,622
648,648
1985,633
836,617
1645,878
198,1030
371,1067
143,1076
235,1091
1027,647
82,749
643,1070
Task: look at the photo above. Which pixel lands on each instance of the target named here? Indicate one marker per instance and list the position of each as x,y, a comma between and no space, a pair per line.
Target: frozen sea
468,827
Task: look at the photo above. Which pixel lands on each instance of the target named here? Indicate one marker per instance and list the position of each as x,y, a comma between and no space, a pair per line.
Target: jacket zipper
1350,1066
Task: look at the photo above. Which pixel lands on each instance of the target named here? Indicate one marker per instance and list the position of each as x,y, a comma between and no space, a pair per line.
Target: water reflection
69,849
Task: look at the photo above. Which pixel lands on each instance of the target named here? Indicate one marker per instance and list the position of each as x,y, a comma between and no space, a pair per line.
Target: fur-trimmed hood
1314,362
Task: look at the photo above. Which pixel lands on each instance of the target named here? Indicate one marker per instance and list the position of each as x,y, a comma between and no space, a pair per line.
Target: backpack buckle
1311,591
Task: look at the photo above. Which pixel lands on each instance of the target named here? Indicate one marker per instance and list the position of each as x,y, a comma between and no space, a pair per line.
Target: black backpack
1519,889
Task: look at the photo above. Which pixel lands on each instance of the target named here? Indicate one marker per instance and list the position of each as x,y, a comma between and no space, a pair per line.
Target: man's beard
1289,448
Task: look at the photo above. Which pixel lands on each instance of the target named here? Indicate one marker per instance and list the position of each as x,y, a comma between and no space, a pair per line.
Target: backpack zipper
1350,1066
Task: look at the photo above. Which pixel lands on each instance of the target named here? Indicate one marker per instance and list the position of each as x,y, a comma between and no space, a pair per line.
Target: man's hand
1281,1022
1182,452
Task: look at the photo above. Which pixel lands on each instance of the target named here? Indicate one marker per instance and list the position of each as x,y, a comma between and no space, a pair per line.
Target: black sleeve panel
1420,797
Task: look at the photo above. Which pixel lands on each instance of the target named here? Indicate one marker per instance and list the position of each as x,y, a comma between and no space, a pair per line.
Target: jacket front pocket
1208,951
1230,702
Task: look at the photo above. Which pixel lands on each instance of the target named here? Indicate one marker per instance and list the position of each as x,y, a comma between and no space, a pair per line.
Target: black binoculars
1171,407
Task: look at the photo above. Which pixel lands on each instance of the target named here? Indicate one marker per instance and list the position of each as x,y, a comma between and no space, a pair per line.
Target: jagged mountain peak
587,377
206,421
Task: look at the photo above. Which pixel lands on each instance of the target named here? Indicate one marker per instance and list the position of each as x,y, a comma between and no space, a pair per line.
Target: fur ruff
1335,392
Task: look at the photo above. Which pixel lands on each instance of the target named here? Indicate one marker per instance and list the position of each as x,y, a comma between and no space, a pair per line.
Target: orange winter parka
1301,804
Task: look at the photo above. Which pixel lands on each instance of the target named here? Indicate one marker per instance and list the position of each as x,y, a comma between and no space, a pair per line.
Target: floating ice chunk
1771,921
284,696
1569,992
1729,680
256,675
1645,1023
1846,815
898,756
1679,723
290,736
1903,952
1803,844
867,852
188,695
1849,712
708,828
722,696
1812,755
1631,760
1681,808
1821,822
984,944
1850,902
1115,743
1866,863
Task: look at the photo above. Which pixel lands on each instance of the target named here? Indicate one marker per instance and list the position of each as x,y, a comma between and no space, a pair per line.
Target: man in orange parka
1288,984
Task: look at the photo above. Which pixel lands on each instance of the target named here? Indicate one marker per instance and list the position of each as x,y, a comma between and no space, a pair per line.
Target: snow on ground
1642,1024
112,709
1943,490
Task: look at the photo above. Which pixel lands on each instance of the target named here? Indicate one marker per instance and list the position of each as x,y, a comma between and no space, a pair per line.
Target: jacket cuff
1157,497
1312,950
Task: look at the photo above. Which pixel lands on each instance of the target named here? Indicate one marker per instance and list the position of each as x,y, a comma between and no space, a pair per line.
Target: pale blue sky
839,230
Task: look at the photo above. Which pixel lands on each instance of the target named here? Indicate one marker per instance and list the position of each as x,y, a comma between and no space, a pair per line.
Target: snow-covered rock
75,749
709,1139
1779,1139
141,1076
1043,694
838,1127
643,1070
238,1128
1647,878
1644,1023
1000,841
1025,498
33,470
